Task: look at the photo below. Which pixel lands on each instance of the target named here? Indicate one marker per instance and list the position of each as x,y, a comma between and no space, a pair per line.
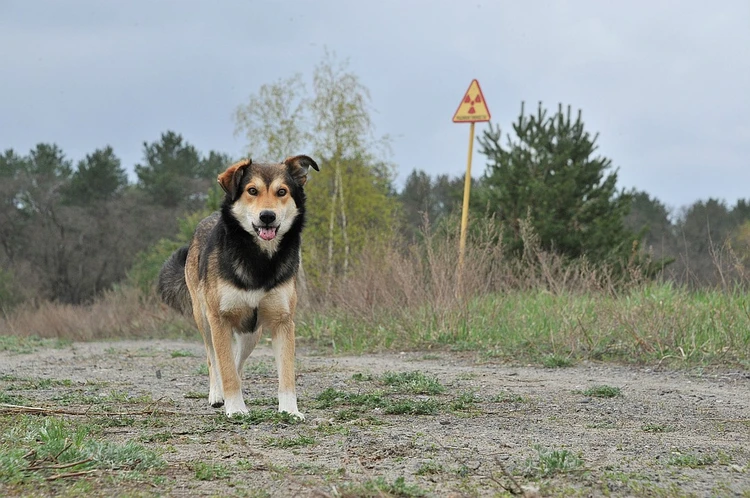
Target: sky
665,84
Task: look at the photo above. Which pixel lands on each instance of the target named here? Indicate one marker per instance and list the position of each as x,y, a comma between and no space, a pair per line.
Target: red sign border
489,115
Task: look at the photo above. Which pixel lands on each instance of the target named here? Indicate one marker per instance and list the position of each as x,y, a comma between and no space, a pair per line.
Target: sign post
472,109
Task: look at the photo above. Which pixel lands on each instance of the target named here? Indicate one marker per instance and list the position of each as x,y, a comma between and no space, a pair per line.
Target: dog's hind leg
215,391
221,338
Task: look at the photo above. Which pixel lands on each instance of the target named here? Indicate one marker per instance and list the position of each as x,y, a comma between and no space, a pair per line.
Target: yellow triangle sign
473,107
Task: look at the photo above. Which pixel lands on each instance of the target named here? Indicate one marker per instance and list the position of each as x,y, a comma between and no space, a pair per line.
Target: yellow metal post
465,210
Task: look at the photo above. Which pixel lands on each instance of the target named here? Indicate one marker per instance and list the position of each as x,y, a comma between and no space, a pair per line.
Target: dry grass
411,297
123,313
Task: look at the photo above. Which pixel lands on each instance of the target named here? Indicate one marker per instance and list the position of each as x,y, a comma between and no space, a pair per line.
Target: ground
409,424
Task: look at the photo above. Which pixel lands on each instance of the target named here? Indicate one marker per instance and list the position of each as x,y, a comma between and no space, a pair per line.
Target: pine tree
550,175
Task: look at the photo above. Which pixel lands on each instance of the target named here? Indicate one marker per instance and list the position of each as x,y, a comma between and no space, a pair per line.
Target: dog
238,276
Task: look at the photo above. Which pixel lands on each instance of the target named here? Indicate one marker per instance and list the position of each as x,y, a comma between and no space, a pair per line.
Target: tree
274,121
99,177
649,217
549,174
169,166
353,191
431,198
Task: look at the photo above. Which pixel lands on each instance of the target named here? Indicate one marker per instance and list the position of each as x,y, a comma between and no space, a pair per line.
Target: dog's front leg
282,340
221,336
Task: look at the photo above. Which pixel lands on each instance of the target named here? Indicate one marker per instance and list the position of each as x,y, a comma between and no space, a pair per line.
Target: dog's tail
172,286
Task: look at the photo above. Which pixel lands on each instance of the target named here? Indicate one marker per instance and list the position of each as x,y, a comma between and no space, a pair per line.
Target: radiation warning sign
473,107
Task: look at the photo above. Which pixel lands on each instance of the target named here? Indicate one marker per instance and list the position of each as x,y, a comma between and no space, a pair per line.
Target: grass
380,487
645,324
602,391
182,353
36,449
657,428
28,344
548,462
208,471
412,382
289,442
359,402
690,460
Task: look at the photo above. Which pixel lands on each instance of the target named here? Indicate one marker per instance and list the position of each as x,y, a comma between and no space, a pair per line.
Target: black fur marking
249,323
241,260
218,404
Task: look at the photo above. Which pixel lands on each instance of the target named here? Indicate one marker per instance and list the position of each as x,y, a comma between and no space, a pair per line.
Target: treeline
68,232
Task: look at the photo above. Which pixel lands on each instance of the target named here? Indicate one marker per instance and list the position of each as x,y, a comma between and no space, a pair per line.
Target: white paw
295,413
234,406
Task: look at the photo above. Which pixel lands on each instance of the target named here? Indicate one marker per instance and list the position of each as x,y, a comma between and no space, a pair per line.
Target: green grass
289,442
548,462
208,471
690,460
357,402
38,448
182,353
258,416
555,361
602,391
379,487
412,382
465,401
651,323
24,345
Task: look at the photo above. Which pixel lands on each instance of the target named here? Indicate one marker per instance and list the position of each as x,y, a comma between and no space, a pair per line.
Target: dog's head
266,198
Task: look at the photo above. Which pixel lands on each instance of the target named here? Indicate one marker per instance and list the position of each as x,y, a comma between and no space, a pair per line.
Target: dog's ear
230,179
298,166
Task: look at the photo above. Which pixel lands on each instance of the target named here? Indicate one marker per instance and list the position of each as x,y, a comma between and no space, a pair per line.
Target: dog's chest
234,298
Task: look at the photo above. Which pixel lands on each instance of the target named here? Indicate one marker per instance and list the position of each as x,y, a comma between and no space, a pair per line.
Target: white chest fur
232,298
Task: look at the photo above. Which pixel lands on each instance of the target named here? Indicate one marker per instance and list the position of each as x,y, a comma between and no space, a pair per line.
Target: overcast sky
665,83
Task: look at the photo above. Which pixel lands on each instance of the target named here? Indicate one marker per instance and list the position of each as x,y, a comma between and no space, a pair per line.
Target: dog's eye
281,192
252,191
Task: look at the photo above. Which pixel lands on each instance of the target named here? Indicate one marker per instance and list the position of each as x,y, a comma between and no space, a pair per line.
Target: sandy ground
669,433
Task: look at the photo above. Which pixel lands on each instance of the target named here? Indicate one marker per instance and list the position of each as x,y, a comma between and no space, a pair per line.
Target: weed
690,460
196,395
289,442
549,462
37,447
333,397
602,391
555,361
412,382
429,468
507,397
28,344
257,416
182,353
465,401
362,377
411,407
202,369
657,428
208,471
379,487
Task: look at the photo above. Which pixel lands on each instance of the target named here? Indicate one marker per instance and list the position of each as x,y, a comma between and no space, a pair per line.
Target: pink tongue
267,233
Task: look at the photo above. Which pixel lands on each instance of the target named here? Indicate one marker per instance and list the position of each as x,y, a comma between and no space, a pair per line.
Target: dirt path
666,434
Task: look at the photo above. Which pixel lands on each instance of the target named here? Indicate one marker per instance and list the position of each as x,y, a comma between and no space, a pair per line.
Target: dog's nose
267,217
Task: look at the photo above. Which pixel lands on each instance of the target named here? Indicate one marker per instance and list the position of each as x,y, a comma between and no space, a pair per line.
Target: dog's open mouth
266,233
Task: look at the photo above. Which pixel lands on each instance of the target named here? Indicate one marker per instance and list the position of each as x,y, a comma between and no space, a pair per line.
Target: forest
74,228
